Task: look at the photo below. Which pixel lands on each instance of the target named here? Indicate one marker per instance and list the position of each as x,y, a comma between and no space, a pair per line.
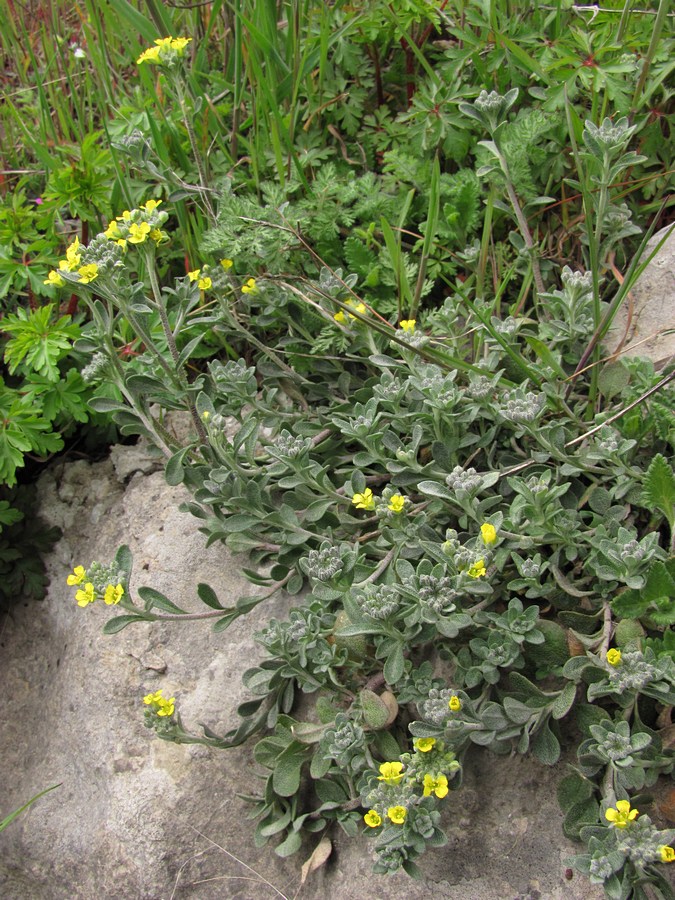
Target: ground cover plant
372,257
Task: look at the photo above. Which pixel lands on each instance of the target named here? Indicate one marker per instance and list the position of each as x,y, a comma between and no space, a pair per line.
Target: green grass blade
10,818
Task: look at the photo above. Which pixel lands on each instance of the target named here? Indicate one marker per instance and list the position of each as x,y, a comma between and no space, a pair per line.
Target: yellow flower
364,500
435,784
614,657
667,853
164,51
249,287
113,232
126,215
72,255
179,44
138,233
372,819
88,273
226,264
454,703
204,283
158,236
488,533
340,317
72,260
408,325
359,308
194,275
54,278
152,698
622,815
424,745
391,772
396,503
167,707
151,205
397,814
78,576
161,706
151,55
113,594
477,569
86,596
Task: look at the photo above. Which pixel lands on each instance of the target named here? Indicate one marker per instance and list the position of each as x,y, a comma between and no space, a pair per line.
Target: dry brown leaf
318,858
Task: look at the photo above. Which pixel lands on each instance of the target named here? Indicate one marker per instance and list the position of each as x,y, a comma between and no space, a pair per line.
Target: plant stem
195,149
173,349
661,14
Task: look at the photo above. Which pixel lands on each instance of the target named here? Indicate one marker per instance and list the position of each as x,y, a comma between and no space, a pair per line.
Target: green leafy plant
378,293
437,511
24,541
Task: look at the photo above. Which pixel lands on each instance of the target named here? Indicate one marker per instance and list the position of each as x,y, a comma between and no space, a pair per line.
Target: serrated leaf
658,591
659,488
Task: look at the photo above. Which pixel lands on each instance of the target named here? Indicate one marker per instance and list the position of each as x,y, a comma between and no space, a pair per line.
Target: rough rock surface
136,818
645,323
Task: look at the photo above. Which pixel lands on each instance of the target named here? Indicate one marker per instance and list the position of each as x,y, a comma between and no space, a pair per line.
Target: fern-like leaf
659,488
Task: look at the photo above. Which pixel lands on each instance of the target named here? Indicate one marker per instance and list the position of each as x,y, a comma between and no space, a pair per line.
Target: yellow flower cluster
71,264
204,283
165,52
159,705
86,594
360,308
138,225
366,500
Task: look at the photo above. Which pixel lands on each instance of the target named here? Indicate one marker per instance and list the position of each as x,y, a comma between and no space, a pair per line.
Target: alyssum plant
483,555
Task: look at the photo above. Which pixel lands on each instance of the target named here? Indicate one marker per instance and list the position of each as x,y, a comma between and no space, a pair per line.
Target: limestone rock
136,818
642,324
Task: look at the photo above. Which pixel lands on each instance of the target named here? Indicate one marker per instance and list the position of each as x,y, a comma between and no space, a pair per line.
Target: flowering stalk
171,343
